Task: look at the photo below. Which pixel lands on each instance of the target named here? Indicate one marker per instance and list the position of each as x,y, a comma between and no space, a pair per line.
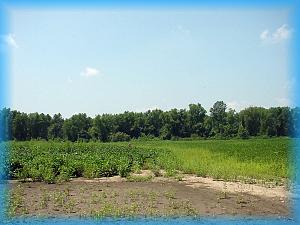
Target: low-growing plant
139,178
170,194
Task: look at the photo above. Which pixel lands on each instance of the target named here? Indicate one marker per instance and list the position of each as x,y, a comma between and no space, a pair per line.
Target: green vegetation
58,161
16,202
139,178
194,122
248,160
263,159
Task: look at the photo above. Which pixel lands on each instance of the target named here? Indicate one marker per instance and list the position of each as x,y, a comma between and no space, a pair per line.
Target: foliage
242,132
55,161
221,123
119,136
250,159
266,159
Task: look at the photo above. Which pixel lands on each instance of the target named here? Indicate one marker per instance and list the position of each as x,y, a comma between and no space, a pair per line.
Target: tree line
194,122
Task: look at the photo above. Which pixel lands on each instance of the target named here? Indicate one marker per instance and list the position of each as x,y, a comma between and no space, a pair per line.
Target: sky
110,61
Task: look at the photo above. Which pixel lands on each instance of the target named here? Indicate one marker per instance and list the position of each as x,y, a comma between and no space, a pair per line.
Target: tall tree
196,116
153,122
20,126
218,115
55,130
77,127
101,128
232,123
253,120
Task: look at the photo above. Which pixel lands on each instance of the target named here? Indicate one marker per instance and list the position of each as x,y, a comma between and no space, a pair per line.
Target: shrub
148,137
119,136
242,132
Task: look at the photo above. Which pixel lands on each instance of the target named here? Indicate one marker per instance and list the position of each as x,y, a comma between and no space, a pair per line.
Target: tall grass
263,159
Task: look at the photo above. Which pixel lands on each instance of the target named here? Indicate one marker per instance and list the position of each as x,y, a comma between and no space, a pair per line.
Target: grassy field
263,159
248,160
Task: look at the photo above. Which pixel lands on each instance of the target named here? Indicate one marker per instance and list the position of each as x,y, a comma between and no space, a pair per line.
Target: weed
139,178
170,194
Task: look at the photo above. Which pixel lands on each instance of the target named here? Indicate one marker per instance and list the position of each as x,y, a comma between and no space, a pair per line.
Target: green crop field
263,159
52,161
252,159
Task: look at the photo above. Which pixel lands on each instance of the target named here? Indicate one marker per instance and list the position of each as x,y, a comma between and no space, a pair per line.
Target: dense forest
194,122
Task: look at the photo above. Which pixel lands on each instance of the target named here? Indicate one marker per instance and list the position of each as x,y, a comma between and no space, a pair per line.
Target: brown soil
118,197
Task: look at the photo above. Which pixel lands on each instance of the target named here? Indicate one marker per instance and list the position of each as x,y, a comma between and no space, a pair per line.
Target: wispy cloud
182,30
280,34
10,40
264,35
90,72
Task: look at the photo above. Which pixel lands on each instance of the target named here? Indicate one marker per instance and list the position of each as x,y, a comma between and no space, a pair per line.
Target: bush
195,136
174,138
243,133
119,136
148,137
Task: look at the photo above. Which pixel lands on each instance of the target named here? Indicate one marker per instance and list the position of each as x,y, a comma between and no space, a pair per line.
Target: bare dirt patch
236,187
158,197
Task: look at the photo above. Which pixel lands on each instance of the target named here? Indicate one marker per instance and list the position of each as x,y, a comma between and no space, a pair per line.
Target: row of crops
59,161
255,159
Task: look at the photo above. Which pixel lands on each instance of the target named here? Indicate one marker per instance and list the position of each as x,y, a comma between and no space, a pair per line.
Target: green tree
196,116
20,126
254,120
153,122
77,127
55,130
242,132
102,126
232,123
218,115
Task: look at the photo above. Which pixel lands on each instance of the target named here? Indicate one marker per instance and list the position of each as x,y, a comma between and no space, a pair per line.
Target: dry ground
159,196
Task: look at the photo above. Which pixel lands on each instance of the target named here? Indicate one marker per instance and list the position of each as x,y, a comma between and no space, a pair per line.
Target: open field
252,159
248,160
139,176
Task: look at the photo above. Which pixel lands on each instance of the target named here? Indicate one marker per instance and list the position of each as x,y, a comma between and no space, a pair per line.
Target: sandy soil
237,187
159,197
195,181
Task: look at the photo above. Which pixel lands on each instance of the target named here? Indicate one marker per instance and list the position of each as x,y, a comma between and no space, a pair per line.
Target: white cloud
280,34
90,72
264,35
10,40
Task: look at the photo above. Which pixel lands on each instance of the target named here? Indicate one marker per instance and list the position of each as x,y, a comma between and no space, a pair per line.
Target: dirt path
159,197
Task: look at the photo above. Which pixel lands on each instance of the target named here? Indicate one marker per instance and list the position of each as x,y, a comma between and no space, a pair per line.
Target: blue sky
110,61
